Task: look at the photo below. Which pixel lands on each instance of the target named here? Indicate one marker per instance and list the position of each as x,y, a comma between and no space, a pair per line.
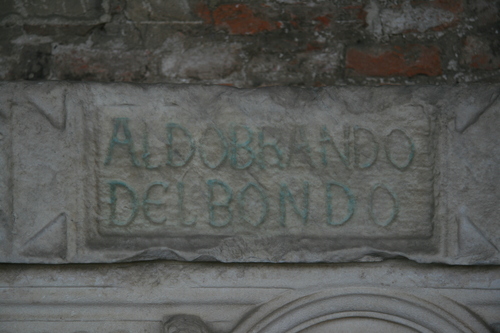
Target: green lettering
113,184
285,194
395,205
370,140
273,146
127,141
241,203
326,138
236,146
182,211
224,145
351,205
411,154
301,145
147,202
213,204
146,155
170,146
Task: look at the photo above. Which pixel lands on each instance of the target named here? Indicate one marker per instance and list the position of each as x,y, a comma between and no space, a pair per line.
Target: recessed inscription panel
316,173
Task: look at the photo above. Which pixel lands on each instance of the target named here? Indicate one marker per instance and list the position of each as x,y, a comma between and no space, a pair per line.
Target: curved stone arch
361,315
296,313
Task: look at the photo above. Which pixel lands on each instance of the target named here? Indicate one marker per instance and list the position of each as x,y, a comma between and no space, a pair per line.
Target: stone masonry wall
251,43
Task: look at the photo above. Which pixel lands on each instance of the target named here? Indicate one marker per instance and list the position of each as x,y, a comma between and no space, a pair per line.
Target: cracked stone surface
99,173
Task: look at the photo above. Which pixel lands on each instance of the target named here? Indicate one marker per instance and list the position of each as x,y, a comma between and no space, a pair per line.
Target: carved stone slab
121,172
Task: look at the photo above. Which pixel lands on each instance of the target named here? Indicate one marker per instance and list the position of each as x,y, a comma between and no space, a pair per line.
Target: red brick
314,46
481,61
204,13
295,21
238,18
454,6
73,64
357,12
324,21
395,61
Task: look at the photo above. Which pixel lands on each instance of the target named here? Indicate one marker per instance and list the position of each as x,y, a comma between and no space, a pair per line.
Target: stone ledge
392,296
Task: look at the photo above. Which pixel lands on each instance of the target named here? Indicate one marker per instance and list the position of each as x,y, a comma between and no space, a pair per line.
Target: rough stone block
122,172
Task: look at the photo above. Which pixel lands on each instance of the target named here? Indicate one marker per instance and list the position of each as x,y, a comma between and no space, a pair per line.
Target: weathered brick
270,69
416,16
323,21
78,63
85,9
7,7
192,61
161,10
394,61
115,36
308,18
204,12
311,68
34,62
9,39
9,52
251,43
239,19
60,29
485,11
6,67
478,53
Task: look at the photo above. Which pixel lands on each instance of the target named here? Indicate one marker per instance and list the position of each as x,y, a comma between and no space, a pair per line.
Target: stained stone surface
166,297
122,172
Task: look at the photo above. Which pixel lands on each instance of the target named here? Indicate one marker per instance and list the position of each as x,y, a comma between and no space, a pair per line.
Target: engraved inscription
162,173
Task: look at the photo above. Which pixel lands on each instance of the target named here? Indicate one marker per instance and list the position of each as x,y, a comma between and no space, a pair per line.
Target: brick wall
251,43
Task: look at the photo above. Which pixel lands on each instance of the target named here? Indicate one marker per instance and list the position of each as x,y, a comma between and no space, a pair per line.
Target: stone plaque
100,173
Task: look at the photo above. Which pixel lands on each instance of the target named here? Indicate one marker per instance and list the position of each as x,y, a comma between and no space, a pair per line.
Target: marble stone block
396,296
97,173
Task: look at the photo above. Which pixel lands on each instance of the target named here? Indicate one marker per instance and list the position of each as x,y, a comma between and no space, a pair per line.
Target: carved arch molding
348,310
